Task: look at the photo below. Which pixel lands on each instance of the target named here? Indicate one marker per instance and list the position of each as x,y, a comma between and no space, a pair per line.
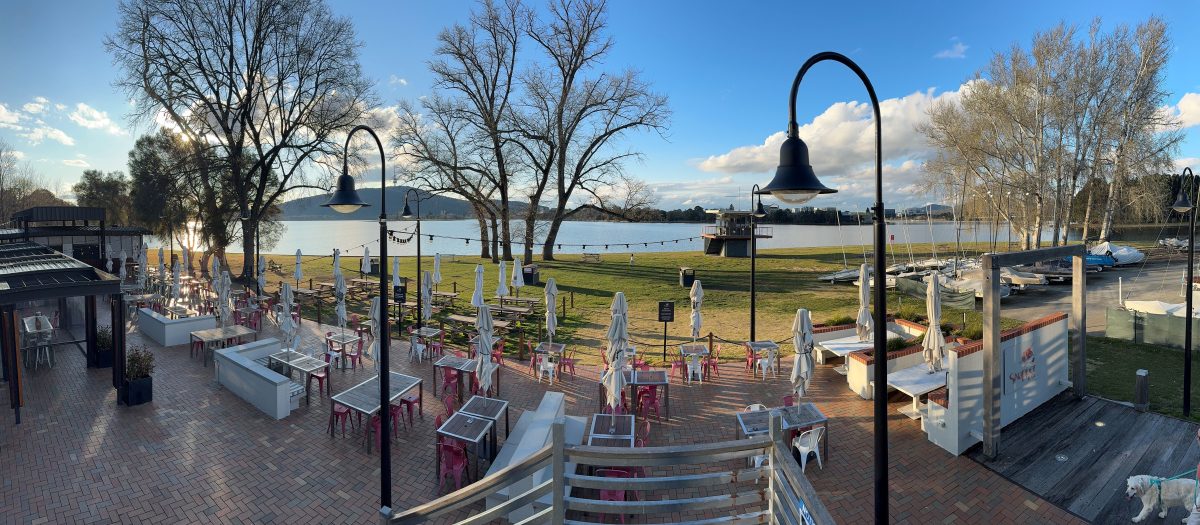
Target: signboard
666,311
398,292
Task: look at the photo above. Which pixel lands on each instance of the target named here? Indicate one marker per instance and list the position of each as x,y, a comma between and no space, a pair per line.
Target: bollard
1141,390
572,298
455,285
564,308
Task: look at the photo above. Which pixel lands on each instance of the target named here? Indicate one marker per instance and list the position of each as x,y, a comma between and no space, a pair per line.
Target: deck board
1105,443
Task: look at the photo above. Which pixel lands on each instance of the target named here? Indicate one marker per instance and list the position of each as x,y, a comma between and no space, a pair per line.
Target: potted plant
104,347
139,385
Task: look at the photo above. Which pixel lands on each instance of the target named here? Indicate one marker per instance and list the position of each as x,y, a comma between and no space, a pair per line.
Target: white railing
781,494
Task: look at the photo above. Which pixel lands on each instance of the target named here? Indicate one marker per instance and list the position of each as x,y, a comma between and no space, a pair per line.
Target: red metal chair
409,401
648,399
320,376
712,361
612,495
339,413
677,364
751,358
568,363
355,355
453,465
449,381
789,400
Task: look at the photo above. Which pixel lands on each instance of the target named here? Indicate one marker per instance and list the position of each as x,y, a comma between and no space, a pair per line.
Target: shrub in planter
104,347
139,385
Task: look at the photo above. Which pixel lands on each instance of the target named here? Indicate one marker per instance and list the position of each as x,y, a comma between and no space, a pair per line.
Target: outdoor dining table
636,378
214,336
528,302
306,364
364,397
343,339
40,325
465,367
696,350
800,415
468,428
916,381
516,310
489,408
470,321
610,430
447,297
844,346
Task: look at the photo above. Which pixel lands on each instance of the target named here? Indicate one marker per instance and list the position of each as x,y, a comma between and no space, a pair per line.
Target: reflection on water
321,237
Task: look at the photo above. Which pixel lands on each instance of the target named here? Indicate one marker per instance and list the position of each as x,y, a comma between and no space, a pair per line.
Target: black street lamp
408,214
756,212
345,200
1183,204
795,183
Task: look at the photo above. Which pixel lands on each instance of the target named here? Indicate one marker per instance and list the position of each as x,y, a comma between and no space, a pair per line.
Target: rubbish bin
374,266
687,276
530,273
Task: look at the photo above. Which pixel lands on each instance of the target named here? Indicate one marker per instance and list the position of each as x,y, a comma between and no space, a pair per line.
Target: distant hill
432,206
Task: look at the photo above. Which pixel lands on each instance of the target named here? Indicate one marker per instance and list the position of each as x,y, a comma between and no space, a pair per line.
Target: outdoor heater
1183,204
795,183
345,199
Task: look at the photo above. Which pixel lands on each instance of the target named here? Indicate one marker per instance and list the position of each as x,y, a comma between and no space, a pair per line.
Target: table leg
507,429
667,395
332,421
367,431
307,394
435,378
826,438
421,399
437,464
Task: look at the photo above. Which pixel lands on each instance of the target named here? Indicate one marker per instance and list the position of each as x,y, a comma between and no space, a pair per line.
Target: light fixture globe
759,211
795,182
345,198
407,214
1182,203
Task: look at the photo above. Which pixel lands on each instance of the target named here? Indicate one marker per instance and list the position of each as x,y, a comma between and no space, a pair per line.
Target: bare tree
273,83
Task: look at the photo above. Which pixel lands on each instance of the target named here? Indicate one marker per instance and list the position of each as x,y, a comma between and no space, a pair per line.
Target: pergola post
1079,323
117,302
89,329
992,367
9,342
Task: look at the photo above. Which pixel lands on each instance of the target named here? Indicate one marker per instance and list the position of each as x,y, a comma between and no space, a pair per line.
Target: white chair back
755,407
810,438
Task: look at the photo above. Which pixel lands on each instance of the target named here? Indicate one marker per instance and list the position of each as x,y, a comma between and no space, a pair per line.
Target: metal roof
67,231
59,213
30,271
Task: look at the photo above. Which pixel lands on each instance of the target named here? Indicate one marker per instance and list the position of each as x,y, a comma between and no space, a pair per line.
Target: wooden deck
1104,443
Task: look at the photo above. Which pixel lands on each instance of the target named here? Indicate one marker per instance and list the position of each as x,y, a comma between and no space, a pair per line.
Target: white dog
1155,490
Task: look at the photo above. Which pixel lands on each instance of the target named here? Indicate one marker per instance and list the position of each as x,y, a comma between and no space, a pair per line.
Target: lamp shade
407,214
795,182
759,211
1182,203
345,198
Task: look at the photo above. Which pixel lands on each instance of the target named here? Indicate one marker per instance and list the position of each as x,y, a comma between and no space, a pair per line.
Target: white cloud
92,118
19,155
41,133
37,106
76,163
60,107
956,50
9,118
1187,110
1187,162
394,80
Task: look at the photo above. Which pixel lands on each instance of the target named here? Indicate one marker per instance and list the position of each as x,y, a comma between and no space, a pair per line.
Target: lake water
321,237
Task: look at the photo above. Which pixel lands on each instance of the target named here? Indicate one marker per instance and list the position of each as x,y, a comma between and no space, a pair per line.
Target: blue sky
726,68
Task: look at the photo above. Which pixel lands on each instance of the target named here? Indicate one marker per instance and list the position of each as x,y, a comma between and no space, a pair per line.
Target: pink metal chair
648,399
320,376
449,381
712,361
568,363
453,465
409,401
355,355
339,413
751,358
612,495
677,364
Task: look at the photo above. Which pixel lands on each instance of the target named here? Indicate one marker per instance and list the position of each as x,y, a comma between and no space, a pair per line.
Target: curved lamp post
408,214
345,199
757,212
1183,204
795,183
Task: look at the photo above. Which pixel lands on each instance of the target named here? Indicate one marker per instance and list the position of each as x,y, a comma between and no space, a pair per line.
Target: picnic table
214,336
470,321
610,430
364,397
529,302
489,408
637,378
342,339
515,310
304,363
589,257
796,416
844,346
916,381
447,297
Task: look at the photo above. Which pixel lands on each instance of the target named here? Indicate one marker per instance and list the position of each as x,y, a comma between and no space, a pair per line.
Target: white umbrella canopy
142,269
551,308
121,269
162,259
427,298
619,305
484,369
375,324
365,264
108,265
934,345
437,268
697,297
337,261
396,271
502,287
863,325
262,274
175,280
518,277
485,327
298,273
215,275
339,289
618,330
288,328
477,295
614,381
802,365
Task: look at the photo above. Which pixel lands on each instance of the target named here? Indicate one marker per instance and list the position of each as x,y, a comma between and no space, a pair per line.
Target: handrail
786,498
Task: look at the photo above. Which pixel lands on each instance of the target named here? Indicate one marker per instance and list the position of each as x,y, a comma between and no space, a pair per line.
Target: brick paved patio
200,454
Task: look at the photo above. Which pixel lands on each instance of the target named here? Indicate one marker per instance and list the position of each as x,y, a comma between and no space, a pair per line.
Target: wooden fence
780,493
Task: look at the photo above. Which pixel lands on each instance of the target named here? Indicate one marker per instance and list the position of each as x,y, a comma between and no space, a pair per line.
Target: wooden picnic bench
590,257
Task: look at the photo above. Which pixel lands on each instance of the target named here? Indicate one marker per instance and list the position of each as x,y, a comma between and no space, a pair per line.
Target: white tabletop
843,346
916,380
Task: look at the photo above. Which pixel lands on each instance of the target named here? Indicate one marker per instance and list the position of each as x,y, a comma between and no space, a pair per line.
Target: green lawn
1111,364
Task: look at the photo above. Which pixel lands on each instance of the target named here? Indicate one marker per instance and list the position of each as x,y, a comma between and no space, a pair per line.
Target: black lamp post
795,183
756,212
346,200
408,214
1183,204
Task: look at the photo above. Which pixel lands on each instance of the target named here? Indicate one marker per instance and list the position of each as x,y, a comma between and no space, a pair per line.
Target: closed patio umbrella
863,324
121,269
484,368
551,308
614,380
108,265
477,295
288,328
141,269
215,275
427,298
934,345
339,289
375,324
337,261
162,265
802,339
518,277
437,269
618,329
175,280
262,274
184,256
502,286
298,273
396,272
697,297
365,265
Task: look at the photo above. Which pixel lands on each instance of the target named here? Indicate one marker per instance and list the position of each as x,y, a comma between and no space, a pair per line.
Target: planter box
139,391
104,358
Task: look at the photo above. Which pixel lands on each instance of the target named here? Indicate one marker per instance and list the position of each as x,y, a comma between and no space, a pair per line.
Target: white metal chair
415,349
547,367
767,363
760,459
809,443
695,369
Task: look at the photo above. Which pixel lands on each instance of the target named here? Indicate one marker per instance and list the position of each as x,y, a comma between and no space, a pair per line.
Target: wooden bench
590,257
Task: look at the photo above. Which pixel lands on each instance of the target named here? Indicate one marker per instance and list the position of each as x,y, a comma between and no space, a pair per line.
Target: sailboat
846,274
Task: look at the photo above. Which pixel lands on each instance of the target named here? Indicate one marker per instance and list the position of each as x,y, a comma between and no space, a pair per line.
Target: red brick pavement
200,454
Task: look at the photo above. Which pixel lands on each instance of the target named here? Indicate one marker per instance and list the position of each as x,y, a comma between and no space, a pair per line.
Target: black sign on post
666,311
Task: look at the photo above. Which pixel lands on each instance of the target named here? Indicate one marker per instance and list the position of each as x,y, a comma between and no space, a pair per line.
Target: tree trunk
495,240
1037,225
1087,218
530,231
484,250
551,238
1110,211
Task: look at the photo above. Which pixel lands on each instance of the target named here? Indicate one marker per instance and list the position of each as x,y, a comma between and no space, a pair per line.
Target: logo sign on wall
1025,370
